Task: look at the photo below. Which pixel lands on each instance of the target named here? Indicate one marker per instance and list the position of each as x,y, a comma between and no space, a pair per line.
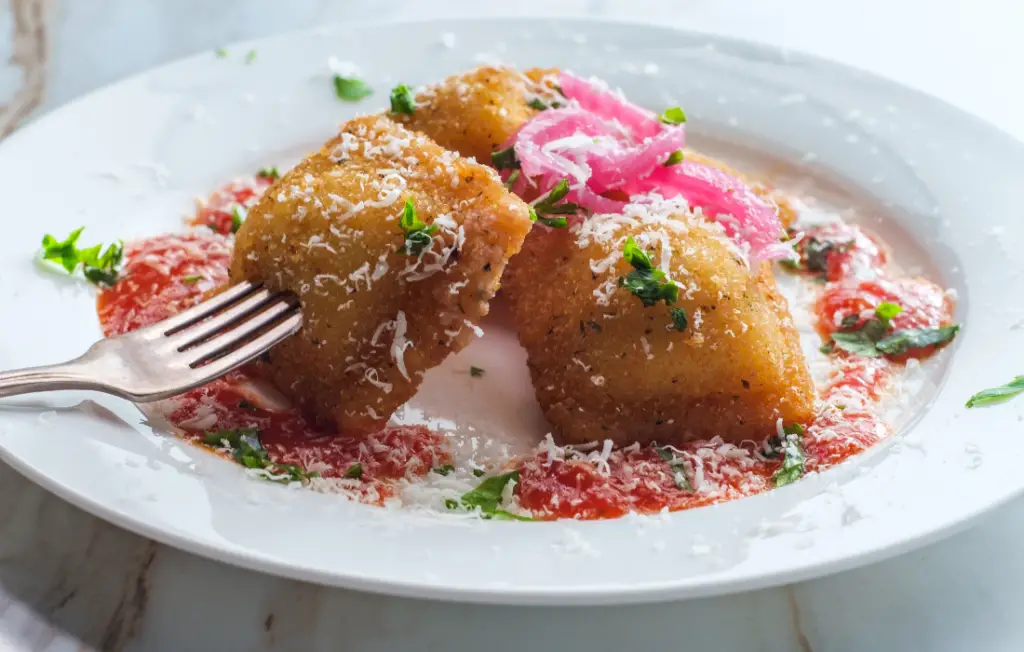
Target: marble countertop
69,581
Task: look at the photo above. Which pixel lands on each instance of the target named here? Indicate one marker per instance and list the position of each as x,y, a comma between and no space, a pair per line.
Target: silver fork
175,355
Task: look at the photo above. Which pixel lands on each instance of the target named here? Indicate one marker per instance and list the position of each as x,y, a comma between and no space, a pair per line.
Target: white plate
128,160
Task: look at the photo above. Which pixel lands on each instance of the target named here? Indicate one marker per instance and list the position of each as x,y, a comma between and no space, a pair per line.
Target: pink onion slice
607,104
722,197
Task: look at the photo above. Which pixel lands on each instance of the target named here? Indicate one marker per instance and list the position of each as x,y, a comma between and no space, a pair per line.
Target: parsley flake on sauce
675,464
245,447
192,279
444,469
98,268
645,282
487,497
476,372
673,116
794,461
269,173
418,235
351,89
402,100
354,472
996,395
675,158
875,337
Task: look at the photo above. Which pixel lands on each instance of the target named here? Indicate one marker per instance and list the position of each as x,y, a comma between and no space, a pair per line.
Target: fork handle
68,375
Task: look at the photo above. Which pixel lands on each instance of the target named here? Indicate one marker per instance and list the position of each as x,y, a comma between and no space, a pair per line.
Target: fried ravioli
384,297
605,366
475,112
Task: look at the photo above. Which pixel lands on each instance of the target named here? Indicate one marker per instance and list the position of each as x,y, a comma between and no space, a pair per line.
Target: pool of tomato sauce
169,273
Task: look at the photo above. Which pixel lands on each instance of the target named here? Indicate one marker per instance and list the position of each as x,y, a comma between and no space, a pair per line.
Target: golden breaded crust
606,367
475,112
329,231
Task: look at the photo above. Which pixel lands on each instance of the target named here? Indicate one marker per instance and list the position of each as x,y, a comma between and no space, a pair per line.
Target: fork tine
250,350
240,332
194,334
195,313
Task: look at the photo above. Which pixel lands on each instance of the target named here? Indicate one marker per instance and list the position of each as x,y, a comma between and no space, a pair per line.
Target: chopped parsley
476,372
221,52
995,395
192,279
418,235
679,321
351,89
250,56
675,158
402,100
911,339
505,159
645,282
269,173
540,105
246,449
547,206
354,472
511,181
238,215
794,461
487,497
477,473
675,464
98,268
673,116
247,405
875,337
444,469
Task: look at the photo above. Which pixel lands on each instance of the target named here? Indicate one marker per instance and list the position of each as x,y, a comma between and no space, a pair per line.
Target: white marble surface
69,581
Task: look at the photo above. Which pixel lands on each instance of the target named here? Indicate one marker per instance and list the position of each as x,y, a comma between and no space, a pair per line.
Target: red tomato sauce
166,274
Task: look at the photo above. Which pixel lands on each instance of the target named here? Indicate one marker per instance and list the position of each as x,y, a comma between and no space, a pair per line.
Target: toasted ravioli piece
377,314
475,112
604,366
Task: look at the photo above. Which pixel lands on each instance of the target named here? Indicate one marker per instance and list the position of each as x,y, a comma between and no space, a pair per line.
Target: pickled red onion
603,143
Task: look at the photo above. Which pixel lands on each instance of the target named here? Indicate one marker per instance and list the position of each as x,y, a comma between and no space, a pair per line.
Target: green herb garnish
245,447
675,464
352,89
910,339
477,473
511,181
679,321
476,372
192,279
547,206
238,215
269,173
675,158
354,472
98,268
444,469
247,405
645,282
995,395
402,100
221,52
885,311
250,56
487,497
418,235
793,459
673,116
505,159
